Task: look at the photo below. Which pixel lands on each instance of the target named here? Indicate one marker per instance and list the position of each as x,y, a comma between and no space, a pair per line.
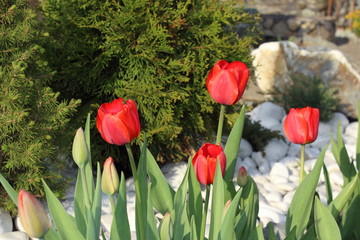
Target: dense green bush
307,91
157,53
32,120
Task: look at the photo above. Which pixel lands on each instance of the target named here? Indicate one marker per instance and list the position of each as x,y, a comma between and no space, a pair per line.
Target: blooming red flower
205,160
32,215
301,125
226,82
118,122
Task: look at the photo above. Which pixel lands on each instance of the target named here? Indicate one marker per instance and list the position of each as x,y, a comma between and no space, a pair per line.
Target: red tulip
118,122
226,82
301,125
205,160
32,215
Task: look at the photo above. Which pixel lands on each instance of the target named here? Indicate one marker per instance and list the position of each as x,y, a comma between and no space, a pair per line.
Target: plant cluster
154,52
355,18
307,91
33,121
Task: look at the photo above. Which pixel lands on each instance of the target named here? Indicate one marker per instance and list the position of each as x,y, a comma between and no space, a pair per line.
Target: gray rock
6,224
245,149
17,235
275,150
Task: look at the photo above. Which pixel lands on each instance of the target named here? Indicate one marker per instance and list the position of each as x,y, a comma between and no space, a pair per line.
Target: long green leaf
162,194
9,189
257,233
151,233
231,152
62,220
193,232
217,203
227,229
271,231
195,199
52,235
302,202
120,228
90,231
79,206
325,224
88,167
327,184
96,205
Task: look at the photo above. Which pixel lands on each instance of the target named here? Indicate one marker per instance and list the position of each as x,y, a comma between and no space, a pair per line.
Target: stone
245,149
264,167
275,61
311,152
293,24
288,197
258,158
282,206
337,118
6,224
281,29
17,235
352,129
279,170
267,110
273,196
174,173
265,210
275,150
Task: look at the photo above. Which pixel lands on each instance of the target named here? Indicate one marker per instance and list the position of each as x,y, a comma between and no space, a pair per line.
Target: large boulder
275,61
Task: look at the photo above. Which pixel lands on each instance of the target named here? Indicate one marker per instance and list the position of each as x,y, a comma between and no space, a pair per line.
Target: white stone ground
276,171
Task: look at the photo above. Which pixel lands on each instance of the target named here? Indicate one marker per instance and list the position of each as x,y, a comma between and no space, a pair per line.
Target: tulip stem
206,206
220,125
85,189
302,160
132,161
112,203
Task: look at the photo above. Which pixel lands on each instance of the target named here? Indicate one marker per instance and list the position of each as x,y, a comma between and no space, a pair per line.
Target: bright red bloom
118,122
205,160
32,215
301,125
226,82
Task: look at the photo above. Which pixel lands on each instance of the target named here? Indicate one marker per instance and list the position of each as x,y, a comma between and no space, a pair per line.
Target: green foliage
157,53
307,91
32,120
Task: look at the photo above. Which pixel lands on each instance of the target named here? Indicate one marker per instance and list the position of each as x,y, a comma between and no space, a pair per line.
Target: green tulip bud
110,178
242,176
166,228
80,150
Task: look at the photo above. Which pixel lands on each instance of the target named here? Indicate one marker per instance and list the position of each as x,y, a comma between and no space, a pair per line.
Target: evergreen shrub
156,52
307,91
32,119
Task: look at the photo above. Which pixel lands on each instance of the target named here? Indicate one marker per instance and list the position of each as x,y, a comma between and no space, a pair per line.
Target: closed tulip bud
166,228
242,176
205,160
80,149
32,215
118,122
110,178
226,82
301,125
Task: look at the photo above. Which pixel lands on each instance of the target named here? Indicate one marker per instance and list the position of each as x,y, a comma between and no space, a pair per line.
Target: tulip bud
110,178
242,176
166,228
32,215
80,150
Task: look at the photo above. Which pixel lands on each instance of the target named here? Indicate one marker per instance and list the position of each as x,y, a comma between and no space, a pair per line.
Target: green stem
132,161
85,189
112,203
206,206
302,160
220,125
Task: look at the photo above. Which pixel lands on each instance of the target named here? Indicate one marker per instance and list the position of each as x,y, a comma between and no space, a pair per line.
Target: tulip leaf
79,206
52,235
328,185
9,189
90,231
162,194
227,229
232,150
358,141
217,203
257,233
141,196
195,199
350,218
62,220
181,222
151,233
88,166
271,231
194,229
249,204
120,228
302,202
325,224
96,204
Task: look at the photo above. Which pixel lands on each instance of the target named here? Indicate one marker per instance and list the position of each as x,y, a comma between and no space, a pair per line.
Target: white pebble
279,173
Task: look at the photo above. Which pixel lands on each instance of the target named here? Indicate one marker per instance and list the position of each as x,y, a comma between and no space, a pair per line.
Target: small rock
282,206
320,142
6,224
267,211
294,150
245,149
273,197
311,153
275,150
338,117
267,110
17,235
352,129
288,197
258,158
287,187
279,173
264,167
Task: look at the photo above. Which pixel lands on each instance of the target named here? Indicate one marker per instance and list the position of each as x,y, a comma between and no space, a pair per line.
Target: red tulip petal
114,107
211,161
114,130
223,87
200,167
295,127
312,117
241,73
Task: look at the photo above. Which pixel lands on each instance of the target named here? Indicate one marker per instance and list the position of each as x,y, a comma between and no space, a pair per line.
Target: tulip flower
80,150
205,160
226,82
118,122
242,176
301,125
32,215
110,178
